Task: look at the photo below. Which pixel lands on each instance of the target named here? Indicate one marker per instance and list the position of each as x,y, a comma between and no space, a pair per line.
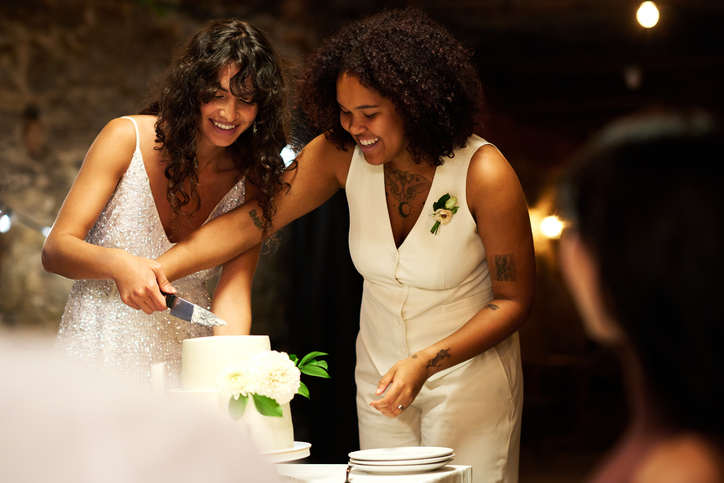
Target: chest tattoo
405,188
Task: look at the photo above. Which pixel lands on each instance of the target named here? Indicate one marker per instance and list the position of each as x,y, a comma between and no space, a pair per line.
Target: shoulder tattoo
505,268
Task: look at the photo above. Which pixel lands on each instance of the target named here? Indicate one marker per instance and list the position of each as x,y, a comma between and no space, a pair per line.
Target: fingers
383,384
163,282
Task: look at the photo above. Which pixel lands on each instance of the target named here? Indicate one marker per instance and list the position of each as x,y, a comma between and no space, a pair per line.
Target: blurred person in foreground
643,258
66,423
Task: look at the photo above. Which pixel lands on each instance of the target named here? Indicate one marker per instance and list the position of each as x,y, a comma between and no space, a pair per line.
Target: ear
581,274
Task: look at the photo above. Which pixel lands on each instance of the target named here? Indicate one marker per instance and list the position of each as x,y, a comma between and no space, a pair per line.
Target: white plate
402,462
401,468
403,453
298,451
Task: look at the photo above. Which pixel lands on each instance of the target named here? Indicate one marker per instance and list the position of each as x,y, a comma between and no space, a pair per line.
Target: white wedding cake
204,359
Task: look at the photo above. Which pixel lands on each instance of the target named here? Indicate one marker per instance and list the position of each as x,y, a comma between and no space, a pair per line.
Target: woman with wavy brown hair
209,142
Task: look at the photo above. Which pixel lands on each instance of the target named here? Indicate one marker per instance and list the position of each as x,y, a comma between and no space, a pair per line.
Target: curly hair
409,59
192,80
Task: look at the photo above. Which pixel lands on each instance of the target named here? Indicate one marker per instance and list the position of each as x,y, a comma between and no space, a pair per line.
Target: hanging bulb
5,222
551,227
648,15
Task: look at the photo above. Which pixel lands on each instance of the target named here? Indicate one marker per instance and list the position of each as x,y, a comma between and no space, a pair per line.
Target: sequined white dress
97,327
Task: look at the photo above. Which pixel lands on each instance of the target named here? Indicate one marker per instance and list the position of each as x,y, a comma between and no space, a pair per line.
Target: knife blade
190,312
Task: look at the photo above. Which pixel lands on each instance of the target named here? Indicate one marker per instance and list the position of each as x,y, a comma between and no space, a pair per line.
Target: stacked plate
415,459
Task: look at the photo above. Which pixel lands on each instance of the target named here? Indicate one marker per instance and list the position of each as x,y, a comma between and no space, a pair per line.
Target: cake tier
205,358
268,433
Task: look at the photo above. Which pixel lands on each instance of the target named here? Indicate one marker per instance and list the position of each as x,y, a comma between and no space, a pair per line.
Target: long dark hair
646,198
192,80
409,59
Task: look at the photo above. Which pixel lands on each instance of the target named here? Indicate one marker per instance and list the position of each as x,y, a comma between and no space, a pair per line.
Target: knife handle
170,299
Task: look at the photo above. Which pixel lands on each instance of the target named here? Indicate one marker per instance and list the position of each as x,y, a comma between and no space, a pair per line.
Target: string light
551,227
8,216
647,14
5,222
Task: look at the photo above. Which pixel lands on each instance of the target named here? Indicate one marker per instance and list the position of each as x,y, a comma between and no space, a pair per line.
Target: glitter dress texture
97,328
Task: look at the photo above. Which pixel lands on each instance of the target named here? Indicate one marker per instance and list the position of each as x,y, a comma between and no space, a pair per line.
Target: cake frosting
204,359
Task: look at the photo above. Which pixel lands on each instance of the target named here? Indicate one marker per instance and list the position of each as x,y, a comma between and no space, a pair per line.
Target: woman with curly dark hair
210,141
439,230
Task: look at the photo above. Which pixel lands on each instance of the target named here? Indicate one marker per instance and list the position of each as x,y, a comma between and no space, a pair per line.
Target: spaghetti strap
138,137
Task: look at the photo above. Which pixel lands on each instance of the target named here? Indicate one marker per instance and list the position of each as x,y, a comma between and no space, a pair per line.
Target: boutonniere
444,208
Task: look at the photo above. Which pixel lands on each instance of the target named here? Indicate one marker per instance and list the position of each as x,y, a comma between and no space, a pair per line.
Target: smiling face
225,117
372,121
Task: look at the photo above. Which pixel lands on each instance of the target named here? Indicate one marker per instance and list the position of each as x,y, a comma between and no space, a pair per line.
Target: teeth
223,126
368,142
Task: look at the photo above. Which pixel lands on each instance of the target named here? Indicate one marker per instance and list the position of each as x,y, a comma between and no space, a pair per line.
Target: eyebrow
364,106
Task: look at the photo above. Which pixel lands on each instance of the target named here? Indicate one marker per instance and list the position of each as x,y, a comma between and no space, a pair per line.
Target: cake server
185,310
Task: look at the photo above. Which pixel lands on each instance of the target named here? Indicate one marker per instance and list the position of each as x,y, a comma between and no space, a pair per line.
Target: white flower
450,203
443,216
236,380
275,376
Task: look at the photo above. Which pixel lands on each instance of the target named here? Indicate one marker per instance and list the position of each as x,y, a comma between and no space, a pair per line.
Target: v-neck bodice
410,291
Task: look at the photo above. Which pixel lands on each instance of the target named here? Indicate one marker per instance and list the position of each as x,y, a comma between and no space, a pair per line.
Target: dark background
554,72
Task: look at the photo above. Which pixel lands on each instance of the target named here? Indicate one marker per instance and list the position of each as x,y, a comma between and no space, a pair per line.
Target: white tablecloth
306,473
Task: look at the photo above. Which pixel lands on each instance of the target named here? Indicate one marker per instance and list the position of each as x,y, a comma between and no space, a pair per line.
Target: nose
227,109
355,125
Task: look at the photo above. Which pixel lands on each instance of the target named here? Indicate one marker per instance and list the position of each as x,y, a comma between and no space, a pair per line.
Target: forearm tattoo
257,220
491,307
405,188
505,268
437,360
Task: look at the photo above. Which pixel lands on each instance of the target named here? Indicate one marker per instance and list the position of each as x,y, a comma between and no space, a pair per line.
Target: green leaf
267,406
237,407
322,364
441,202
293,358
311,356
303,390
454,210
315,371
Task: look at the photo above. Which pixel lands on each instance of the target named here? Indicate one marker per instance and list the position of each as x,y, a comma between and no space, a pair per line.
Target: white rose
443,216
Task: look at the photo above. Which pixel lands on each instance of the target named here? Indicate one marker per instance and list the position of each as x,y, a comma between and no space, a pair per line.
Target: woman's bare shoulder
326,156
687,458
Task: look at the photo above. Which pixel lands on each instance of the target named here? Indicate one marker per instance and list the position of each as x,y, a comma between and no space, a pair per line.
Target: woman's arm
321,171
498,205
232,297
67,254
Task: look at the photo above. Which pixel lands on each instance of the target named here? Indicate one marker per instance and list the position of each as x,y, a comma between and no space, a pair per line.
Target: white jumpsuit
416,295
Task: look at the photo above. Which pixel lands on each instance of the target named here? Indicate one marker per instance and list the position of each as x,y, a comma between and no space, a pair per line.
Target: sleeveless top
426,289
97,328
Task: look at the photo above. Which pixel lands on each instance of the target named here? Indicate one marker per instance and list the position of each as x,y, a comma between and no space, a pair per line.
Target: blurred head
409,60
644,254
233,58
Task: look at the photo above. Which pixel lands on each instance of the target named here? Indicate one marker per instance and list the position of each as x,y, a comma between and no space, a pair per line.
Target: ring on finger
401,407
